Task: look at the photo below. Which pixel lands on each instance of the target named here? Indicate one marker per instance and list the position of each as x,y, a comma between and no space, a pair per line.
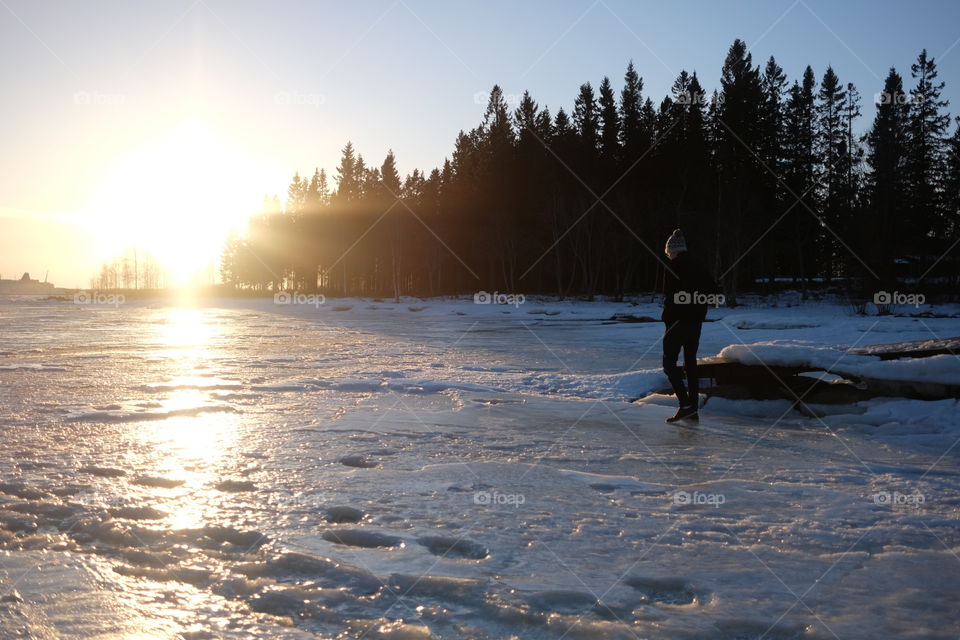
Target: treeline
131,270
769,180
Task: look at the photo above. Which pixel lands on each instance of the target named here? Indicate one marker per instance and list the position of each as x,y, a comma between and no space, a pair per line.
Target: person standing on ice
686,285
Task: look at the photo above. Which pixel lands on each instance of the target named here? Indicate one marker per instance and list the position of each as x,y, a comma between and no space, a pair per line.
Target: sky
170,120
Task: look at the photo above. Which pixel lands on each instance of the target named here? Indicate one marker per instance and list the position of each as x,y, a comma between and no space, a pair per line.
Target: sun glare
177,198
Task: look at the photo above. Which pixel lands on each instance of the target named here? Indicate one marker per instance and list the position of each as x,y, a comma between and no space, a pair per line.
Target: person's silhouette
686,285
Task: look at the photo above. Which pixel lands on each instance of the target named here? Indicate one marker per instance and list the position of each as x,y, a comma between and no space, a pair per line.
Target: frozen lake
450,470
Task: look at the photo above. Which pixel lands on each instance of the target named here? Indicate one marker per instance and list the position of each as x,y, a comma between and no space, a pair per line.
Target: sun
177,198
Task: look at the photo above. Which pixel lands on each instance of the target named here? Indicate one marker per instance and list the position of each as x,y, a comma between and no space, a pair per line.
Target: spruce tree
585,118
348,175
831,152
887,185
778,240
296,196
389,176
800,177
739,134
632,128
609,123
952,185
925,168
849,169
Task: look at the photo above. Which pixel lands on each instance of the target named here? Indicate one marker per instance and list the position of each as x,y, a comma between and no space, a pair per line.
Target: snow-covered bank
940,369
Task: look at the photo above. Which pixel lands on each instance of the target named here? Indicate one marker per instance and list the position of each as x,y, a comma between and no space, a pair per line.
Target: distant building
26,286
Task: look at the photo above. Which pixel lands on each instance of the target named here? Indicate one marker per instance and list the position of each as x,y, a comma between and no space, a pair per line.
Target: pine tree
585,118
609,123
390,189
296,196
829,126
635,167
952,185
526,120
739,134
800,177
770,148
496,128
632,128
563,129
774,83
697,183
389,177
349,174
648,120
831,152
317,191
925,168
367,182
849,178
887,153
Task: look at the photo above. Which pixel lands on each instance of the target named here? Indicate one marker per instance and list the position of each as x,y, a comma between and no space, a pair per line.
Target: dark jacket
686,276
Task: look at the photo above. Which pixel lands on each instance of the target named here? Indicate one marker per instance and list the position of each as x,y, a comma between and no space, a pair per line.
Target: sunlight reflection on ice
189,447
186,334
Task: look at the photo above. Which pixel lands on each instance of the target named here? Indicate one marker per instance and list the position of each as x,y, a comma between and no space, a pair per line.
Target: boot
685,413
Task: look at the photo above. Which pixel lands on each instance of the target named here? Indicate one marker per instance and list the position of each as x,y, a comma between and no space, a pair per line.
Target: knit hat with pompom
676,243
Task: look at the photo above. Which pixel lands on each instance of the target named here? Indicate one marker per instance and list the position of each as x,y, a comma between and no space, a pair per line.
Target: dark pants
682,334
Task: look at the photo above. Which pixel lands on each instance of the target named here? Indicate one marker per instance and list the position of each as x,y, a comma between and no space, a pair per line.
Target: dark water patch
103,472
671,591
562,601
358,461
344,514
361,538
235,486
20,490
440,587
199,578
157,481
325,572
449,547
137,513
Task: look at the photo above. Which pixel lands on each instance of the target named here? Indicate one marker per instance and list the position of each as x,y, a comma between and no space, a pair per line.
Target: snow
941,369
242,469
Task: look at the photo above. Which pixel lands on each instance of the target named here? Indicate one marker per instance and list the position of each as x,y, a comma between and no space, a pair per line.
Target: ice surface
458,471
